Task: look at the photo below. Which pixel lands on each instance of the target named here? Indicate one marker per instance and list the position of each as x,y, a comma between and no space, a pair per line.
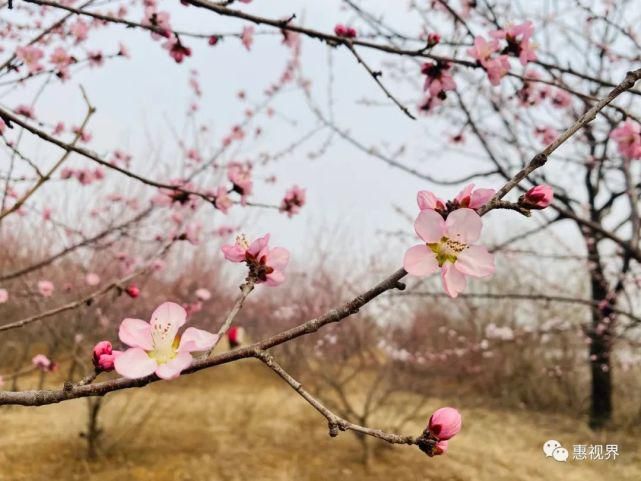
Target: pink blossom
31,56
92,279
628,139
497,68
79,30
222,201
437,80
192,232
177,50
247,37
448,247
43,363
546,134
46,288
25,111
123,50
468,197
4,296
61,59
156,347
96,59
473,198
561,99
240,175
445,423
483,50
427,200
538,197
104,356
158,20
82,134
59,128
518,41
293,201
265,264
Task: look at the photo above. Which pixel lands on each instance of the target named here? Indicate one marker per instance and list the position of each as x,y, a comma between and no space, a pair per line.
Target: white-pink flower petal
463,225
420,261
475,261
429,226
194,339
175,366
136,333
134,363
453,281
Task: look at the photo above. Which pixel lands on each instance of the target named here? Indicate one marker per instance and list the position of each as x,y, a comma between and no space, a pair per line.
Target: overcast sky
141,101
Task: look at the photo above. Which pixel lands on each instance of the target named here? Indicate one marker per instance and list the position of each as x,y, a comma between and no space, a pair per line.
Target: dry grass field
239,422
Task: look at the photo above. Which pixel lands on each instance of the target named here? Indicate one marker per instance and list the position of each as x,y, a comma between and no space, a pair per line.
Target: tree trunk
600,345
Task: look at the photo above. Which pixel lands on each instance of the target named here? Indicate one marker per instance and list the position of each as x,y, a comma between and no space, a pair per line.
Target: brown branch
375,76
45,177
335,423
42,397
541,158
245,290
87,300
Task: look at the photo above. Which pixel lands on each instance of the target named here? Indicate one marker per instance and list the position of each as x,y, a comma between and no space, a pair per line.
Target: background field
242,423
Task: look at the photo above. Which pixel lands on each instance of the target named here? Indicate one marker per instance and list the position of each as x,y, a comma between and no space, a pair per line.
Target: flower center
446,250
164,352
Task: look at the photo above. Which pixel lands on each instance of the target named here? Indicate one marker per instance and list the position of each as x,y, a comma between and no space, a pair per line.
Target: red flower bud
444,423
132,291
103,356
538,197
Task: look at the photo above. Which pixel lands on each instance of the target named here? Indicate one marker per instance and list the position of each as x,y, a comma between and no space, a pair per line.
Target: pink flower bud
133,291
340,30
103,356
445,423
538,197
440,448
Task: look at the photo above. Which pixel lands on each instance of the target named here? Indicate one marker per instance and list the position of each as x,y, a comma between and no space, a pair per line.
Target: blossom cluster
493,54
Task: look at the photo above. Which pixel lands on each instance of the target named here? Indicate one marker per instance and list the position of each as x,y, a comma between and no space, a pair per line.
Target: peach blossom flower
448,246
156,347
265,264
31,57
45,288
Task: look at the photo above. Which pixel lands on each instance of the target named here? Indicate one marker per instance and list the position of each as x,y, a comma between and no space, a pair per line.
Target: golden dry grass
239,422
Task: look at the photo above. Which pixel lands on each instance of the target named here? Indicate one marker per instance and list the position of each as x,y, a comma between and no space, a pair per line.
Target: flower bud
433,39
538,197
444,423
439,448
103,356
133,291
340,30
